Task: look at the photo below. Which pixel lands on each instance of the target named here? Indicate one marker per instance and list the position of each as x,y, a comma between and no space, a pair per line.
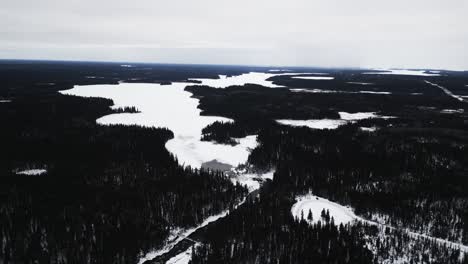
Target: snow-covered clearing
404,72
447,91
32,172
317,78
344,214
315,205
331,123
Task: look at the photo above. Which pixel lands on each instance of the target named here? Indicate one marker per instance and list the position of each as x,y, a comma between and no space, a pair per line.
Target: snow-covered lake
317,78
301,90
331,123
404,72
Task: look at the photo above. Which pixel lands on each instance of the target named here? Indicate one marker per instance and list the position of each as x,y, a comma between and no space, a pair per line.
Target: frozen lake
171,107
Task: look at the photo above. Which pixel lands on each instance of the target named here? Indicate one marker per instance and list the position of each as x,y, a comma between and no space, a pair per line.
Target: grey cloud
361,33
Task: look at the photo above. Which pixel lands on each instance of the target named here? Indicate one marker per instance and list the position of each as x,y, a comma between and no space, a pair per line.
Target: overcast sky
331,33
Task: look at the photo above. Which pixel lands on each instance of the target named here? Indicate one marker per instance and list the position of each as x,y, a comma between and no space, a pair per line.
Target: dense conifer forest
113,193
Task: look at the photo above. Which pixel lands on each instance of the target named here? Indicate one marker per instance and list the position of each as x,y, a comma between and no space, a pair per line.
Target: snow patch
331,123
368,129
5,101
313,77
452,111
361,83
252,180
313,123
127,66
299,90
32,172
315,205
182,258
403,72
258,78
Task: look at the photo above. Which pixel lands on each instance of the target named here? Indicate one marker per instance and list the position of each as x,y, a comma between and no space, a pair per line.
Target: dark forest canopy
112,193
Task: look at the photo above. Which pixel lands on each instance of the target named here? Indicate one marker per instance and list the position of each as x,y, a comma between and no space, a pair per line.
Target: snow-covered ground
318,78
315,205
313,123
331,123
252,180
447,91
259,78
32,172
301,90
5,101
404,72
344,214
182,258
368,129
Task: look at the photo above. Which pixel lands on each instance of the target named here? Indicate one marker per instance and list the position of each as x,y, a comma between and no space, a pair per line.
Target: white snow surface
345,214
313,77
252,180
331,123
32,172
301,90
404,72
313,123
5,101
368,129
171,107
182,258
341,214
452,111
259,78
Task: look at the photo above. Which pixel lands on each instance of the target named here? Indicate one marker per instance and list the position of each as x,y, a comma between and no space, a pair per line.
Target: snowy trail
446,91
344,214
177,237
